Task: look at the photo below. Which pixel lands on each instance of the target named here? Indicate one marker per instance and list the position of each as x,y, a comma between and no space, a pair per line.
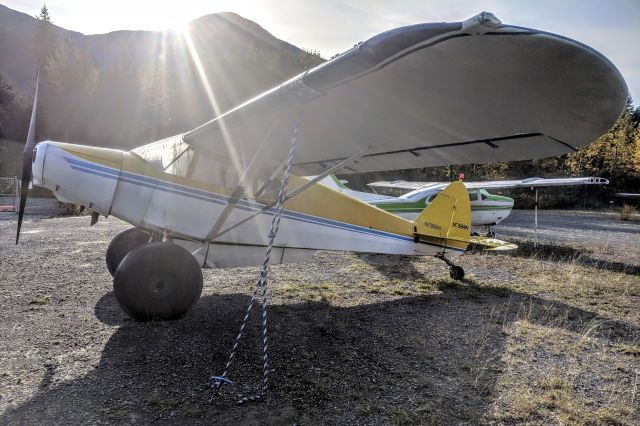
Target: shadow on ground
393,266
418,359
567,253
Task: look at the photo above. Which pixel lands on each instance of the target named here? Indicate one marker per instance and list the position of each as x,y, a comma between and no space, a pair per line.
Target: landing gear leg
490,233
455,272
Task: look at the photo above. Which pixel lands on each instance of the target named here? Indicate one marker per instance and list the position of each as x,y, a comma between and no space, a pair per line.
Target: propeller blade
27,158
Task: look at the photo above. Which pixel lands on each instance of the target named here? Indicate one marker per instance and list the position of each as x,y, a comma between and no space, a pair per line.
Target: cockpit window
171,155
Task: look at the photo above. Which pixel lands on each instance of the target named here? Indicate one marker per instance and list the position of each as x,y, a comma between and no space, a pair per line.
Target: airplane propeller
27,160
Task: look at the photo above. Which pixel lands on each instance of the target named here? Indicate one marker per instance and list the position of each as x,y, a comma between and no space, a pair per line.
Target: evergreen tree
68,91
157,104
612,154
308,59
45,40
14,112
636,151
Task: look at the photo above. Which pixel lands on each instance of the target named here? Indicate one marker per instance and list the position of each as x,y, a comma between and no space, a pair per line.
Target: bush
629,213
68,209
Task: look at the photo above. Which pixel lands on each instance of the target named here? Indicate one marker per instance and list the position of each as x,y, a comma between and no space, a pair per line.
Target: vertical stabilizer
447,219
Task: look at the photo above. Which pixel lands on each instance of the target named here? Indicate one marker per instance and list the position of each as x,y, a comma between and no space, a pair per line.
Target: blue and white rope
262,285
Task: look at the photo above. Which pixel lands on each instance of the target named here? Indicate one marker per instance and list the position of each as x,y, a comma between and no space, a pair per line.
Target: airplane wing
537,183
631,195
497,184
428,95
404,184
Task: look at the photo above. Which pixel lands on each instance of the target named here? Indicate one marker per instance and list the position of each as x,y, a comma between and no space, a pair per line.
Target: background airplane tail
447,219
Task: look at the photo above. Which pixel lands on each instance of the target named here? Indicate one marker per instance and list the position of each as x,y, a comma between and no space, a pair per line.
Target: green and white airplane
486,209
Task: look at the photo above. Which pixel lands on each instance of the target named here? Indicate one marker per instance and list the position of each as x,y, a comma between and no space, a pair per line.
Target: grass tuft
40,300
629,213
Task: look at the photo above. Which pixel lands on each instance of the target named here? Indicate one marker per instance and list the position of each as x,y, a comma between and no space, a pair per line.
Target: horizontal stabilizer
493,244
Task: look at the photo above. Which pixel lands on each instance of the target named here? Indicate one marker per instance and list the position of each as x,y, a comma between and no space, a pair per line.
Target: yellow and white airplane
423,95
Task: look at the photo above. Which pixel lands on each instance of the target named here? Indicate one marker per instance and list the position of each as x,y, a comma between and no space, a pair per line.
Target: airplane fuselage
124,185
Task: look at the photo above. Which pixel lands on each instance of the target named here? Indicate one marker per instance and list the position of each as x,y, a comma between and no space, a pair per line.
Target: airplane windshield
171,155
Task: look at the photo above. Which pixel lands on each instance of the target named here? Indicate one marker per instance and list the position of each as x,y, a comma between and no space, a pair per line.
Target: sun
179,26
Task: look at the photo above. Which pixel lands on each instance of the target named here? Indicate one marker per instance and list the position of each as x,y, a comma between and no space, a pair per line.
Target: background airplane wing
630,195
497,184
334,183
428,95
403,184
537,183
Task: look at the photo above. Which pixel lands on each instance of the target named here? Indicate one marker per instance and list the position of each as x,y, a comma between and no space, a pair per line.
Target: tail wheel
122,244
157,281
456,273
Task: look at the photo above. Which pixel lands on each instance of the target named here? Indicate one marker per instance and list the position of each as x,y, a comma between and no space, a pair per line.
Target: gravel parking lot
355,339
602,232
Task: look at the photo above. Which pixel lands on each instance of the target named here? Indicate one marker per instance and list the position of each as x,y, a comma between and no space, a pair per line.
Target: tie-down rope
261,287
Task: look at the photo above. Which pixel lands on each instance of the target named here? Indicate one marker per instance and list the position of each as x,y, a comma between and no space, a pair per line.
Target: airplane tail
446,222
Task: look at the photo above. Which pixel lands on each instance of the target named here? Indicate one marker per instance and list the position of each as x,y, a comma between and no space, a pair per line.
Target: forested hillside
125,88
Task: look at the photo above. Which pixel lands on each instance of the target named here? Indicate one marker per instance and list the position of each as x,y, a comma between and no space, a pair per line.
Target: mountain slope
17,32
144,85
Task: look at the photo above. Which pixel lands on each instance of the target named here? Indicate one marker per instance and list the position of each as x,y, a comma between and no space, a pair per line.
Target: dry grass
555,376
571,352
40,299
573,347
629,212
574,277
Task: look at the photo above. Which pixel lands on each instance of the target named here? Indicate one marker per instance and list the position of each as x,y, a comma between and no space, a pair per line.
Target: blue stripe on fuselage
153,183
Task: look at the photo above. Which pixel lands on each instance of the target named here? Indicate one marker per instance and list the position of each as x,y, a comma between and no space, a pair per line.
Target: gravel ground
603,233
355,339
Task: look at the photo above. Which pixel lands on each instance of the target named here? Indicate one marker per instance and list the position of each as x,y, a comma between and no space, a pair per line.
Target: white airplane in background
423,95
486,209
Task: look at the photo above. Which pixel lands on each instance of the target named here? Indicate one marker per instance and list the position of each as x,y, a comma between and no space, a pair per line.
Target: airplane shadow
392,266
330,364
565,253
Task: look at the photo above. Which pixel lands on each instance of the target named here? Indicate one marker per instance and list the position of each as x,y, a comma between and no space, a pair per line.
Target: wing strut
239,190
296,191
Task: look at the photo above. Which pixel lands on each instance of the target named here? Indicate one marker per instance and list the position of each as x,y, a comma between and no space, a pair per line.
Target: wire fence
9,191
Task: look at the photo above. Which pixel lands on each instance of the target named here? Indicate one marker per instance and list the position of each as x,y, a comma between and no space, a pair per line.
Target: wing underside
428,95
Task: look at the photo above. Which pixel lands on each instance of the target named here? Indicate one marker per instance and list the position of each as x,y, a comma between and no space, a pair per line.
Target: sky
612,27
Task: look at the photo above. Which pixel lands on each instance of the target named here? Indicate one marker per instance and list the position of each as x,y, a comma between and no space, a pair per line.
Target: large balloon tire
158,281
121,246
